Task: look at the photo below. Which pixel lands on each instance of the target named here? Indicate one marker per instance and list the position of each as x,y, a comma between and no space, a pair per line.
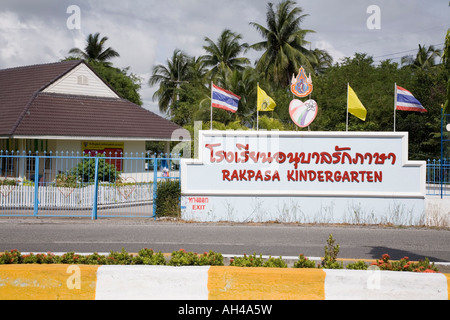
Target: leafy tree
97,56
429,87
95,50
198,70
184,84
223,56
242,83
374,85
125,84
194,104
446,63
268,123
284,43
425,58
169,77
322,61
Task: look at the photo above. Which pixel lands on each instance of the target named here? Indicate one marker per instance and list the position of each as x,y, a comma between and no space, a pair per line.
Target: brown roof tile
66,115
18,87
26,111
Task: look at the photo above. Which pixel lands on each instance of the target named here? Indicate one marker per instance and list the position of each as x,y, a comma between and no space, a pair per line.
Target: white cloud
29,42
327,46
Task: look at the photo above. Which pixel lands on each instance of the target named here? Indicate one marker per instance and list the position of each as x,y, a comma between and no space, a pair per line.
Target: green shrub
275,263
304,262
85,170
211,258
11,257
94,259
247,261
405,265
8,182
168,196
330,258
149,257
184,258
121,258
71,258
358,265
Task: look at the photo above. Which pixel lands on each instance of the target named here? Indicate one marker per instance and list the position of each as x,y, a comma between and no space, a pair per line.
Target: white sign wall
305,177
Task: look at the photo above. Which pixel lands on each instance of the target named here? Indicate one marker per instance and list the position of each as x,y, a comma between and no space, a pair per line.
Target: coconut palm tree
223,56
322,61
170,77
425,58
198,70
243,83
95,50
284,43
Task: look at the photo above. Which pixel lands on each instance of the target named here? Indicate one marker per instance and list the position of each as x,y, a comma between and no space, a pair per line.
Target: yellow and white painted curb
139,282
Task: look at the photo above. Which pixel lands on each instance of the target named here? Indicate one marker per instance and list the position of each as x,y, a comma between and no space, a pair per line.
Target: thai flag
224,99
407,102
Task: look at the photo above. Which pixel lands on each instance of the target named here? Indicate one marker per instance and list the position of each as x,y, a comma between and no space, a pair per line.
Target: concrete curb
141,282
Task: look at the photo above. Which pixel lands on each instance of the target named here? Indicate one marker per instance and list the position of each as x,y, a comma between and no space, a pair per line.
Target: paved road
104,235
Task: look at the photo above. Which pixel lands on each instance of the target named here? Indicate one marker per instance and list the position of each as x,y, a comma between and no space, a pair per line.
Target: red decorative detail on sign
335,176
339,156
250,175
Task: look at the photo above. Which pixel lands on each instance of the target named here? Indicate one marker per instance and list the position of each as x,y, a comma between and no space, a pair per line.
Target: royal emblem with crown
302,85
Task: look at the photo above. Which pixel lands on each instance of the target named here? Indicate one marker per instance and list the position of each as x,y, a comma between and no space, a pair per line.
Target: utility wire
400,52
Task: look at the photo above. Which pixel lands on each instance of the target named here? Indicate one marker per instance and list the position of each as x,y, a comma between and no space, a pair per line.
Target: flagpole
257,120
257,111
210,122
395,104
347,106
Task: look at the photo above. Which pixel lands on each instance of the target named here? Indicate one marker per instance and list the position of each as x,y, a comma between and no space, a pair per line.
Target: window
83,80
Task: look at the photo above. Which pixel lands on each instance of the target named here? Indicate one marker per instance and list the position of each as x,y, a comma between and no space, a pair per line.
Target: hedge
184,258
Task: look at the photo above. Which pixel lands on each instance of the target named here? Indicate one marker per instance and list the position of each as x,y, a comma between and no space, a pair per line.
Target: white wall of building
81,81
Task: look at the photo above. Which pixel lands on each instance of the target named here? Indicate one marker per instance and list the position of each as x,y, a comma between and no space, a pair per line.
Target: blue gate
70,184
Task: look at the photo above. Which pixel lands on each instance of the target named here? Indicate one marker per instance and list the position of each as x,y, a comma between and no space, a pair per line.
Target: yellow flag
355,107
265,103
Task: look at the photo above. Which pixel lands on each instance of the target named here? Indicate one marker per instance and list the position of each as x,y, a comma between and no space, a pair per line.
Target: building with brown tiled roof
66,106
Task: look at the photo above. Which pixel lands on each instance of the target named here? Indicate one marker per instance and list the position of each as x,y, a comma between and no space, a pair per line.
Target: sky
146,32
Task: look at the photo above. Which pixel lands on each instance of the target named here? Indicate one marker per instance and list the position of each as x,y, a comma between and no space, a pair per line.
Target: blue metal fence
438,177
71,184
